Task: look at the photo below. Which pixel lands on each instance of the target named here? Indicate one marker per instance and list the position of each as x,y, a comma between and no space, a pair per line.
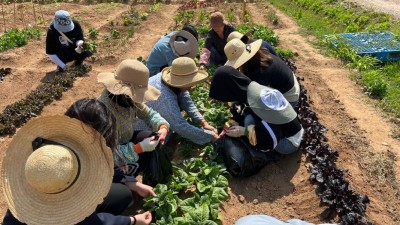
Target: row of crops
197,187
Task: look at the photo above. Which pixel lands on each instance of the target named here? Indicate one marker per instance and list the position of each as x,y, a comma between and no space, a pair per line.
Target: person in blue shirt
172,46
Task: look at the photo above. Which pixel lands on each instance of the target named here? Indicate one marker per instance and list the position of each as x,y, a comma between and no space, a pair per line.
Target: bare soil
356,129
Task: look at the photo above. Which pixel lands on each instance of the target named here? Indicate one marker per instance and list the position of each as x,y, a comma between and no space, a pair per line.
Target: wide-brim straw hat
238,35
269,104
188,48
238,53
23,187
182,73
131,78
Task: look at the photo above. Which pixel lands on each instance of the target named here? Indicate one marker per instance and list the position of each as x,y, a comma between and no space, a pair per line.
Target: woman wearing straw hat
247,40
264,68
172,46
58,170
270,124
213,51
64,41
174,83
124,95
95,113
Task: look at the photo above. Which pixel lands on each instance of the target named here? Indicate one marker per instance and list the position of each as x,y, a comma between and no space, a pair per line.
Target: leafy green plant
16,38
375,84
271,15
115,33
155,7
230,15
93,33
260,32
90,46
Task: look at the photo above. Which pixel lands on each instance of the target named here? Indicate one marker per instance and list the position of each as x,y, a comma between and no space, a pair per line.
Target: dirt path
356,129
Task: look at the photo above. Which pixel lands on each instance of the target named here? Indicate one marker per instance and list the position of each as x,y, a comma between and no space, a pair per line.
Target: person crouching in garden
247,40
59,170
124,95
267,122
64,41
171,46
174,83
213,50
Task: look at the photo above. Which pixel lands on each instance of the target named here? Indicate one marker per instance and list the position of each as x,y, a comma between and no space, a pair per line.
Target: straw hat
269,104
238,35
62,21
183,73
63,180
239,53
131,78
187,47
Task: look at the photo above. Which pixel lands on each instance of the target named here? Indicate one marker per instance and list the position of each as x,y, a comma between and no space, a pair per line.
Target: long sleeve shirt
161,55
126,117
55,42
169,106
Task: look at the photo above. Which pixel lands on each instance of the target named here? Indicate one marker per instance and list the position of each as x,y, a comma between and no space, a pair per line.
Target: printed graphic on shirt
63,40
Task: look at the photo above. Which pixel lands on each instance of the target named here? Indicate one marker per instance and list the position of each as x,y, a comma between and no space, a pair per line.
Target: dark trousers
69,54
118,199
137,137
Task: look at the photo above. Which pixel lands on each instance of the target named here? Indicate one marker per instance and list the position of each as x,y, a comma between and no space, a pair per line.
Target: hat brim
246,56
260,109
194,45
116,87
183,81
82,197
64,29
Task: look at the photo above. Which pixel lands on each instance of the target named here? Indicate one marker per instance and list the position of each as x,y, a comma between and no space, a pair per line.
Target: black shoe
78,63
59,70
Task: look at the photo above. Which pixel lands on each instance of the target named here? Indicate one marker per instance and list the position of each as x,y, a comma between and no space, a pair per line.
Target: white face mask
182,48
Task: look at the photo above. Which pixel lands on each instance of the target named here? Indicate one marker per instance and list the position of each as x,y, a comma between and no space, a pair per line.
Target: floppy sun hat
131,78
56,171
269,104
183,72
239,53
217,19
236,34
187,46
63,22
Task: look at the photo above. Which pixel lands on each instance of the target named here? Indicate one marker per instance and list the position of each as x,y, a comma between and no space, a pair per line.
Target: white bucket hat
239,53
188,48
183,72
62,21
56,170
269,104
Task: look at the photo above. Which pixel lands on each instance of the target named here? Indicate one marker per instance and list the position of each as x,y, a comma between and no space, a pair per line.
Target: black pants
117,200
69,54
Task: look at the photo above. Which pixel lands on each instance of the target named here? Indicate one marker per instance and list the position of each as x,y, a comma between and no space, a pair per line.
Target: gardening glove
236,131
147,145
79,43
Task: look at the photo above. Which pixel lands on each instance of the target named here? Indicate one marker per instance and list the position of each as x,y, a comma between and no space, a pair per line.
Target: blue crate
381,45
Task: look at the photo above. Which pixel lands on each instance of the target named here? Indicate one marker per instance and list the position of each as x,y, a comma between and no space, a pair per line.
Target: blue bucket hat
62,21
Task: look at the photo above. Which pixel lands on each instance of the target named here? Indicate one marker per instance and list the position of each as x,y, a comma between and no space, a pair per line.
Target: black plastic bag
241,159
157,168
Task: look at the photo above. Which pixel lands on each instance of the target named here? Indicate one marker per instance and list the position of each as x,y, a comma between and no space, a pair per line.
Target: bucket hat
184,43
217,19
62,21
131,78
269,104
56,170
183,72
238,35
239,53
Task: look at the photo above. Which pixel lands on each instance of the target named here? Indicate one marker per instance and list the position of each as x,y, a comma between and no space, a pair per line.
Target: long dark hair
94,113
261,58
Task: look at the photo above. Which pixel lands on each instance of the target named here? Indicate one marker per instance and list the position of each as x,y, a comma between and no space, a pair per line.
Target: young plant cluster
16,38
192,195
4,72
333,188
20,112
260,32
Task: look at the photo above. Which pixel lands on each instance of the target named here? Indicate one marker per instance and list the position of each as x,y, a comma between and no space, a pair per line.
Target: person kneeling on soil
267,121
64,41
124,95
171,46
58,170
174,83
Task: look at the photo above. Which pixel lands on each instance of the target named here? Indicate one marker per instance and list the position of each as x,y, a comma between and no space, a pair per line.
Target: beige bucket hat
238,35
131,78
188,48
217,19
269,104
239,53
183,72
64,179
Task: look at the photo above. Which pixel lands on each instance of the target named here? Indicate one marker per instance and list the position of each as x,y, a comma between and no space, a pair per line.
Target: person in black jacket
58,170
64,41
